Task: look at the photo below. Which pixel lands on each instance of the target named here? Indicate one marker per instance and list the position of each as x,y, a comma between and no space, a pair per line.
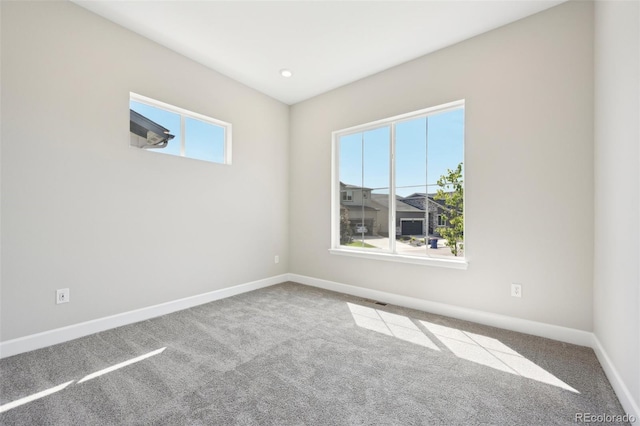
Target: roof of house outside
349,186
383,201
358,207
411,203
141,126
417,199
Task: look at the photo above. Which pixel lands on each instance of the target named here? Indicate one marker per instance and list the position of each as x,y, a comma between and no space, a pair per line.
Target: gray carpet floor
296,355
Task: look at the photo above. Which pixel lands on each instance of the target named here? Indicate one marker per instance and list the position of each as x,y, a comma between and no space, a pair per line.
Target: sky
204,141
425,148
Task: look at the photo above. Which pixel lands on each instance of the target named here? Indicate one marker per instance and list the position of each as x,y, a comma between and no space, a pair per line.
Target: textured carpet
296,355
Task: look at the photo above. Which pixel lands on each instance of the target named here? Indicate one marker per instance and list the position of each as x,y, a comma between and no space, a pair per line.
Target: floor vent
373,302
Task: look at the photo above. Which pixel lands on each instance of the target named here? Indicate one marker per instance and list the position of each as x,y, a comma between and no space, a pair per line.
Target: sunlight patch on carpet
492,353
472,347
33,397
390,324
120,365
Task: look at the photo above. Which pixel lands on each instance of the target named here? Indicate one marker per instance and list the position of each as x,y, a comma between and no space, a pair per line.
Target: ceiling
326,44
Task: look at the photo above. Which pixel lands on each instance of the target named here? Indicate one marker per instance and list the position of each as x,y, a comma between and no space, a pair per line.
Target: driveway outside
406,248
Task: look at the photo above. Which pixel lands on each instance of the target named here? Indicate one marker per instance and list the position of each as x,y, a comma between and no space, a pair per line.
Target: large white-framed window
160,127
405,175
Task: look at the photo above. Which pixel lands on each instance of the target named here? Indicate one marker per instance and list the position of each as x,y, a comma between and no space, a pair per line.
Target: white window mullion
361,220
183,136
426,188
227,145
392,190
335,192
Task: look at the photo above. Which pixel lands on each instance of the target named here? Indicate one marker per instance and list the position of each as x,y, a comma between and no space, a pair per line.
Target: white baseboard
622,391
63,334
563,334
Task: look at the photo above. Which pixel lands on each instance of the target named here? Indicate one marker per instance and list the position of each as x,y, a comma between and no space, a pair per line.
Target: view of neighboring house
357,201
423,202
416,214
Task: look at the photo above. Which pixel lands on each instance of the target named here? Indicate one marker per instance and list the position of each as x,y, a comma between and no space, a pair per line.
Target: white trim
335,193
622,392
183,135
402,117
392,191
563,334
175,109
63,334
459,263
549,331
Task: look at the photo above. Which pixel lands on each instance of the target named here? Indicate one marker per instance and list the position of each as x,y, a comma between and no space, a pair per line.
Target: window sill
415,260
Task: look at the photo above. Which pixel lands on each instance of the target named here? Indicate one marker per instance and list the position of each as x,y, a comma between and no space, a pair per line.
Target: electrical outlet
516,290
276,259
62,295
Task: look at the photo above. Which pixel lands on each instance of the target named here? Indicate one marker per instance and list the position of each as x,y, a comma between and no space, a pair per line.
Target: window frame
184,114
385,254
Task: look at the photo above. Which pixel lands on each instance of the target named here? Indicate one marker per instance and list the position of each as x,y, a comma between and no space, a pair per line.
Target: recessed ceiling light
286,73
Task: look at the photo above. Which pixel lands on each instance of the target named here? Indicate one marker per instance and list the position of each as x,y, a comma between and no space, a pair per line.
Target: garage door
412,227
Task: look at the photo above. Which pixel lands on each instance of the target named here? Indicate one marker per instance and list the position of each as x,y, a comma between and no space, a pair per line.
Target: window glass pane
445,155
364,177
426,149
375,186
376,158
204,141
446,149
412,228
166,119
380,235
350,176
351,161
411,156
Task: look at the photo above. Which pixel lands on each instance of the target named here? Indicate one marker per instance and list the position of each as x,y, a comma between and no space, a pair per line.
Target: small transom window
159,127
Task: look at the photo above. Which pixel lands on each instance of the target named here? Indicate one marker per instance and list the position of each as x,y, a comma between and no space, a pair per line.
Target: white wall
124,228
617,190
528,163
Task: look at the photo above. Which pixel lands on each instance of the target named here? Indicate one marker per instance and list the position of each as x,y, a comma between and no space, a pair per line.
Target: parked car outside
361,229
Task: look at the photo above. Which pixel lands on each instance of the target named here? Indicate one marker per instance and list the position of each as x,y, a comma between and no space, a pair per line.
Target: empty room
320,212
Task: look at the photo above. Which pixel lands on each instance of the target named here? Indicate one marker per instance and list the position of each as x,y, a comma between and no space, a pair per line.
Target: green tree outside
453,212
345,227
